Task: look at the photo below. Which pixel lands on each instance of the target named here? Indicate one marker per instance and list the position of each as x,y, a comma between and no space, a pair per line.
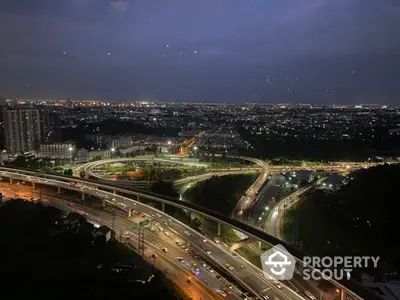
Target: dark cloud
202,50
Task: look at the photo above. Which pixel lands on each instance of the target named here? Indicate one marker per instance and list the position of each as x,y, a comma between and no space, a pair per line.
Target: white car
165,249
186,232
167,233
204,240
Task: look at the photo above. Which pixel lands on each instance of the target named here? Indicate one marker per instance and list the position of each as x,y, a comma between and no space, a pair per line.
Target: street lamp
112,152
169,148
195,153
70,153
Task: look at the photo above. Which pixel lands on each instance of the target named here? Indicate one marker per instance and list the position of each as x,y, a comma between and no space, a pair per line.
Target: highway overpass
350,287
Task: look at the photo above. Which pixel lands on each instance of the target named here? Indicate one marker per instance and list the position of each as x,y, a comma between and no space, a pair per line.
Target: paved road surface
251,275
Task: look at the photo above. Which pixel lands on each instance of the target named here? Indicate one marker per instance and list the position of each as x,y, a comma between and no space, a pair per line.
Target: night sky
271,51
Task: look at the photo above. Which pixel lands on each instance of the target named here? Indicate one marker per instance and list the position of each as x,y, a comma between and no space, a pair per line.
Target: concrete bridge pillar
58,190
83,197
137,198
241,243
114,192
130,213
218,229
11,181
33,185
103,203
163,206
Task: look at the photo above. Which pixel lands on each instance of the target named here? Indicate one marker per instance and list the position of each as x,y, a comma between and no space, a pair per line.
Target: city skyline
237,52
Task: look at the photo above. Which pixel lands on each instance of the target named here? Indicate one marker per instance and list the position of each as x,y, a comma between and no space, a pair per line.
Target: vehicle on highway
209,269
227,291
206,281
194,264
186,232
165,249
266,297
186,249
122,205
166,233
178,243
204,240
196,271
188,280
216,241
160,228
208,252
219,277
234,254
229,267
180,258
222,293
154,255
278,285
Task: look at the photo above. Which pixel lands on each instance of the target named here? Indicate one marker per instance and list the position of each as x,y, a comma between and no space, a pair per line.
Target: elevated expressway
88,170
349,288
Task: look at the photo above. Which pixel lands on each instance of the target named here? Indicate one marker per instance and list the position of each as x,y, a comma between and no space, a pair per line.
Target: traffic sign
144,223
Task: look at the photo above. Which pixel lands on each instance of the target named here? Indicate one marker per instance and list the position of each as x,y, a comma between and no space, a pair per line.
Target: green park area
356,219
152,171
41,260
306,227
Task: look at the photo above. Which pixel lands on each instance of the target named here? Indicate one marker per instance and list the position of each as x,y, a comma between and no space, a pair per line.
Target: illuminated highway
205,285
249,276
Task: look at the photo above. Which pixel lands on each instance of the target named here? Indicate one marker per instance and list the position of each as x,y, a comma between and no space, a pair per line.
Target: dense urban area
182,200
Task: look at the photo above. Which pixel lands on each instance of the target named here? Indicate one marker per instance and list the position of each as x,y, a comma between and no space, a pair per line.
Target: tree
68,172
164,188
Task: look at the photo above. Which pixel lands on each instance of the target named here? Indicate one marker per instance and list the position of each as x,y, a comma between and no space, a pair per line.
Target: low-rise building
104,234
64,150
82,156
100,154
119,142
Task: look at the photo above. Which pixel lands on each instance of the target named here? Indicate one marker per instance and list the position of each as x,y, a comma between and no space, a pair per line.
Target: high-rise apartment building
21,130
50,126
